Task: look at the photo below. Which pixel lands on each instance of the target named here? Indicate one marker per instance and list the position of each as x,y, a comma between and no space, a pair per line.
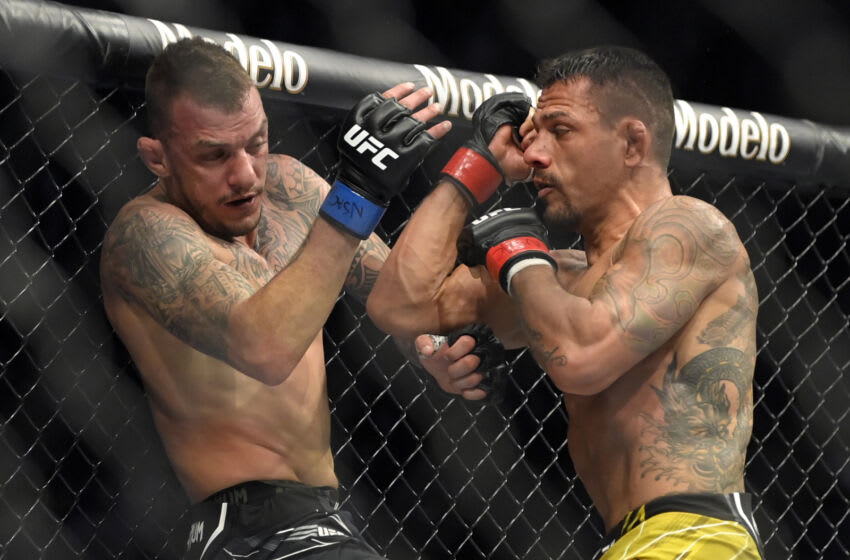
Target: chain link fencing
82,472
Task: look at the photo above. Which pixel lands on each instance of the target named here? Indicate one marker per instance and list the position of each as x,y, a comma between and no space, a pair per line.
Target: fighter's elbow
581,373
391,319
257,356
266,366
396,312
380,314
576,383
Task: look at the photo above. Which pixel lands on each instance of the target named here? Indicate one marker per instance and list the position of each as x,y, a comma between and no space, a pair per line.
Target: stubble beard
559,216
229,231
212,226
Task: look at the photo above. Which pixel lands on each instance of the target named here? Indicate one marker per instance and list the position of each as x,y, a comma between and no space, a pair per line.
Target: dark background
81,472
785,57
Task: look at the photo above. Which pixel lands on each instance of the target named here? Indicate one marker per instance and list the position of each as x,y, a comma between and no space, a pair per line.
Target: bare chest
258,258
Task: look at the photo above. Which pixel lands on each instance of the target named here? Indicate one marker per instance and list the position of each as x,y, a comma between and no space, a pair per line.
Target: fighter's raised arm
421,288
676,253
161,258
219,280
649,332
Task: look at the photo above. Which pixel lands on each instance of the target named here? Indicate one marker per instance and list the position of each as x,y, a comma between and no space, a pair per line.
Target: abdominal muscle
604,440
606,433
221,427
619,456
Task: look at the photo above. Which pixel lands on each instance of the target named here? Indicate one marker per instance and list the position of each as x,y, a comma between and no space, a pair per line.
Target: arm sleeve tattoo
663,269
163,263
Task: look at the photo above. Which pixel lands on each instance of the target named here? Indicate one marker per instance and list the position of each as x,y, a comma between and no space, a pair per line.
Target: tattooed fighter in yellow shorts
649,332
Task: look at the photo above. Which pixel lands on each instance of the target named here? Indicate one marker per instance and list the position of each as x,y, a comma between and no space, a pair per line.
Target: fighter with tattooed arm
219,280
649,332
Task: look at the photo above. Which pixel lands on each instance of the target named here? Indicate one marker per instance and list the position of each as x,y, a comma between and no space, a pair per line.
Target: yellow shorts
692,526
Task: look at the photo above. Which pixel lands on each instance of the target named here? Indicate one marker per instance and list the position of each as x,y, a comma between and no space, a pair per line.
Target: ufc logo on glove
362,141
364,186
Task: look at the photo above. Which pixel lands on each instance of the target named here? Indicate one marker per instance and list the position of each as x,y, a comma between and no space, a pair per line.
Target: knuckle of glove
470,249
493,366
500,109
365,107
381,145
386,116
506,223
495,383
477,237
488,348
418,138
477,331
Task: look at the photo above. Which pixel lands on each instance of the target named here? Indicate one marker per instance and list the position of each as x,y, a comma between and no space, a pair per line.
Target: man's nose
243,174
534,152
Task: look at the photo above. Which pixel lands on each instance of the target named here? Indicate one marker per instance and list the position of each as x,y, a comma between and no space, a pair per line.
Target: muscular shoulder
687,225
688,213
670,266
145,219
144,227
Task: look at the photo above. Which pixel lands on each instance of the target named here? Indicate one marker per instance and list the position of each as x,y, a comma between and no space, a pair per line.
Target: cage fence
82,472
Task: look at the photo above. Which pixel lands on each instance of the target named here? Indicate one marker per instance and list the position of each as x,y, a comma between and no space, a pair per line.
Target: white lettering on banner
730,132
732,135
265,63
166,35
750,135
445,87
492,86
708,141
471,96
260,59
236,47
290,69
461,97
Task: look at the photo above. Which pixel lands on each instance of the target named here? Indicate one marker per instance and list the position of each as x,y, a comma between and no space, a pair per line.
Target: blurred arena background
82,474
785,57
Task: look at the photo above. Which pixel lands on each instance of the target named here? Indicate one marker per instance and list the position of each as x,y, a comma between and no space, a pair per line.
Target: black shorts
274,519
710,526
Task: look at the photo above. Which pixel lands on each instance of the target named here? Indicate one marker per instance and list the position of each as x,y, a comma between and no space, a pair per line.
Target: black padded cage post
82,472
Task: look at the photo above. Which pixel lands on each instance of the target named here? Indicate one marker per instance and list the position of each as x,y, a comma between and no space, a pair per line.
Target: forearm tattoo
546,357
164,264
365,267
295,194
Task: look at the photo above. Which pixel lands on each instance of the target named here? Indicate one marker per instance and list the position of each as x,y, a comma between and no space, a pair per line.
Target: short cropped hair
198,68
630,83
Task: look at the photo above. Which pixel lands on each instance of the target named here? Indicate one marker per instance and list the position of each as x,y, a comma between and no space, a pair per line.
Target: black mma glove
473,169
505,241
493,365
380,145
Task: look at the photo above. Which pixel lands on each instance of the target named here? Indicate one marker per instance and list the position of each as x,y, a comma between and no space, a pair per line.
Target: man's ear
153,155
638,141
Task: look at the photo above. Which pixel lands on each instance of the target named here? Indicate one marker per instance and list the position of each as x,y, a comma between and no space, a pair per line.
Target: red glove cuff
498,255
475,172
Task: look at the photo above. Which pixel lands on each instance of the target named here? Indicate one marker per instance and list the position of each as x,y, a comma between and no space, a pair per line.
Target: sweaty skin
220,426
679,419
649,332
219,281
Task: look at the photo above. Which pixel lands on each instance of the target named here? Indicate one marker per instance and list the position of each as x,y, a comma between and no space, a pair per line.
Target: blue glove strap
351,210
